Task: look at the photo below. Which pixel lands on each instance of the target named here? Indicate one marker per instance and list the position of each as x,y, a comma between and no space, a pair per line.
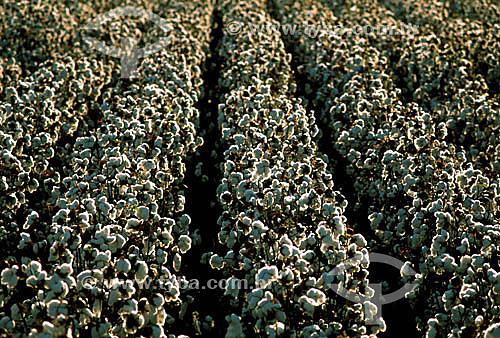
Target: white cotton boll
114,296
49,328
235,329
448,299
327,242
380,322
338,221
254,297
375,219
146,165
167,236
477,261
431,333
216,262
258,228
9,276
406,269
317,296
143,213
15,313
276,329
132,223
266,275
286,250
53,308
117,243
467,291
322,231
65,269
308,255
457,313
370,310
496,288
142,271
35,268
177,262
184,243
123,265
7,323
359,240
307,304
158,300
493,331
286,275
365,260
302,265
103,258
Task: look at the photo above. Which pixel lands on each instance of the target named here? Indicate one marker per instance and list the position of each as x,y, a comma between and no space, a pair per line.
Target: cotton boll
307,304
216,262
132,223
493,331
184,243
141,271
340,228
380,325
266,275
123,265
258,229
142,213
359,240
370,310
457,313
117,243
9,276
406,269
177,262
317,295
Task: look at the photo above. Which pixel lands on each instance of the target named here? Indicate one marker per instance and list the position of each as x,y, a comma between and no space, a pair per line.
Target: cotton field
250,168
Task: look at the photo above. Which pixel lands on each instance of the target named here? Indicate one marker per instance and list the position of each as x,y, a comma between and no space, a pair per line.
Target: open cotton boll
359,240
370,310
117,243
339,222
307,304
216,262
258,228
56,307
406,269
142,271
266,275
132,224
9,276
317,296
143,213
276,329
123,265
177,262
184,243
493,331
35,268
158,300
